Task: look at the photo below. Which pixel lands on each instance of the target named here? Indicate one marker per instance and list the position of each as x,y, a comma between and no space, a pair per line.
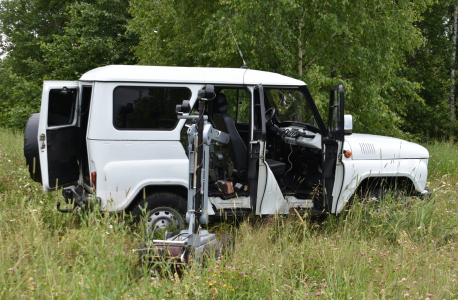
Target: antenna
240,51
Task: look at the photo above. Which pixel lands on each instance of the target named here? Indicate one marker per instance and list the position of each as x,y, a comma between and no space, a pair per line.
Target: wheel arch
365,184
150,189
403,183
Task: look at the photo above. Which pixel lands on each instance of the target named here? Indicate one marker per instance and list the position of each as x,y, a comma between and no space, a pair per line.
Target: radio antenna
240,51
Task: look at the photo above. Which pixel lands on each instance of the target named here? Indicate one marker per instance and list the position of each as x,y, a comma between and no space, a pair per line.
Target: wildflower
403,280
382,292
111,226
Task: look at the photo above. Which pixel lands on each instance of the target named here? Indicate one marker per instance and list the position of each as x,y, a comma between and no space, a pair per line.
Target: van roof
126,73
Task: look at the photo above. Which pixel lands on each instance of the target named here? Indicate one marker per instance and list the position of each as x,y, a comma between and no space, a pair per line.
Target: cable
289,160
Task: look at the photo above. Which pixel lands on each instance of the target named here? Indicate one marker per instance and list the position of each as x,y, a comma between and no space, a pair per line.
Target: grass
373,251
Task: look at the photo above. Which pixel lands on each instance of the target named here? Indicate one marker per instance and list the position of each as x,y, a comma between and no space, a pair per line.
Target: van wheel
163,213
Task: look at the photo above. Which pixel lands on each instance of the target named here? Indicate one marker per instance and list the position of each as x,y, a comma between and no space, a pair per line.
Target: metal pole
198,197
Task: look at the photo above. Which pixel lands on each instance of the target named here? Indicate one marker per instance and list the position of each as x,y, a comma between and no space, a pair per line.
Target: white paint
126,161
43,125
188,75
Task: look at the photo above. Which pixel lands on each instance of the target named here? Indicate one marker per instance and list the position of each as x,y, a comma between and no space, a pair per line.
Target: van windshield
289,104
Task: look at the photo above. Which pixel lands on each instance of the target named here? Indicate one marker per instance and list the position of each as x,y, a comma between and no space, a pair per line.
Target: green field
373,251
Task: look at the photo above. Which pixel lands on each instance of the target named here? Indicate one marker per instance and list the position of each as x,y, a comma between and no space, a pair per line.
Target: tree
56,40
430,65
360,43
452,88
94,35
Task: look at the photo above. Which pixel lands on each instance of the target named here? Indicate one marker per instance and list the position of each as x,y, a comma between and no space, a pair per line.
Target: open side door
257,170
59,136
332,148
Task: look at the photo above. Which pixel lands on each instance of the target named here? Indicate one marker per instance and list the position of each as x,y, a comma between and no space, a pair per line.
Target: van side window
147,108
238,100
61,106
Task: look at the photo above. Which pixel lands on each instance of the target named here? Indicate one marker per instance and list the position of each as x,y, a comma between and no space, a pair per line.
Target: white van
114,133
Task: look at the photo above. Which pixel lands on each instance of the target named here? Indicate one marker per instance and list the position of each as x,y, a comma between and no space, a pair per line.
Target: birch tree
452,86
360,43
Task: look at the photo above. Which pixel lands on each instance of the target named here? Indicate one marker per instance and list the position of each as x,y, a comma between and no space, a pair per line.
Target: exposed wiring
289,160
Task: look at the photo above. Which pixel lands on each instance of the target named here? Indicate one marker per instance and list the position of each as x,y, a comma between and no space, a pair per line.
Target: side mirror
348,124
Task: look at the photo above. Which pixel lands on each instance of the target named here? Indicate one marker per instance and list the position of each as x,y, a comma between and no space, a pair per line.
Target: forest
397,59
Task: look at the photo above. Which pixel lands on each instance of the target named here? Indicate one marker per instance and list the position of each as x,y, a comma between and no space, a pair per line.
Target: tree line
396,58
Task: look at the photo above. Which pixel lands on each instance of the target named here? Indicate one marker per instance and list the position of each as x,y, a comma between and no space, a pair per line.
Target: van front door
257,169
59,136
332,149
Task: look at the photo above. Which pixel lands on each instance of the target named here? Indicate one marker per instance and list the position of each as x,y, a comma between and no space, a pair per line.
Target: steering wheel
269,114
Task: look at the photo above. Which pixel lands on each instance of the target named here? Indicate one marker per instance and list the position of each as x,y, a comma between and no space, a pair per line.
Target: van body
114,135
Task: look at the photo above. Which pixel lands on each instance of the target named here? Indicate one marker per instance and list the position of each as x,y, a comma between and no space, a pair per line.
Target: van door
332,149
257,169
59,136
85,99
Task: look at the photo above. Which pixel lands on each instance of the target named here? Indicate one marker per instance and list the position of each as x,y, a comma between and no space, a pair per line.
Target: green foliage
430,66
56,40
94,35
16,97
359,43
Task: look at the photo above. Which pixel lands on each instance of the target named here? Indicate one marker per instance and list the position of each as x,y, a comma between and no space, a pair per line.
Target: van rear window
147,108
61,106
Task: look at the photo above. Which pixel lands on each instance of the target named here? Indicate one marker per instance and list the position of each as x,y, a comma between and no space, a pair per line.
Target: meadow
389,250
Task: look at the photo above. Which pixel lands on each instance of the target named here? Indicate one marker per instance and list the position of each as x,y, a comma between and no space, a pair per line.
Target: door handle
42,141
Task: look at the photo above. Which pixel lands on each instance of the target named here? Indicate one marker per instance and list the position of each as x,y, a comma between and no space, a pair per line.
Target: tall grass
373,251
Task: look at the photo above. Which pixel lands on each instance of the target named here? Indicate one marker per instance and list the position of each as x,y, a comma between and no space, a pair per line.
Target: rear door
332,149
59,136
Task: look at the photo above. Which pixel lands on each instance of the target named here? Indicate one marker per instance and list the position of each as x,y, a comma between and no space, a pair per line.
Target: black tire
31,147
160,208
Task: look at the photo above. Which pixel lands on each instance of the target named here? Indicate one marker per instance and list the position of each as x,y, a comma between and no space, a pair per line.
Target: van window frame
74,109
147,87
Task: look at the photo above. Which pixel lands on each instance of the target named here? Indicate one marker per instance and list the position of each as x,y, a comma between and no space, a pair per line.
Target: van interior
297,169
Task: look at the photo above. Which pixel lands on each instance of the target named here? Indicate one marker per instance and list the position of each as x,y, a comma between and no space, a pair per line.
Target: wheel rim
162,219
